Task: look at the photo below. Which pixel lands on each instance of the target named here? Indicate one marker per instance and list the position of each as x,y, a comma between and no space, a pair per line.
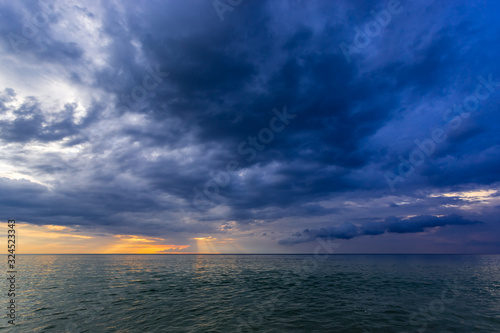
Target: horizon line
321,254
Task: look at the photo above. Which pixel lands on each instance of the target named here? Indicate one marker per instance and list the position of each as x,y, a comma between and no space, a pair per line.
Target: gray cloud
134,168
391,224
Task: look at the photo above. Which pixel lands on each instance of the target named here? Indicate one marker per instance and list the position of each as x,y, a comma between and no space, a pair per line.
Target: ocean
255,293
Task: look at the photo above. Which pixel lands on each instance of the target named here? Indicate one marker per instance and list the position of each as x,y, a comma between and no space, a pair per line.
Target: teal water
256,293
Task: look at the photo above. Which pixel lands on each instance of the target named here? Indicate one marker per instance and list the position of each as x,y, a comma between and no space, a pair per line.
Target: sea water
256,293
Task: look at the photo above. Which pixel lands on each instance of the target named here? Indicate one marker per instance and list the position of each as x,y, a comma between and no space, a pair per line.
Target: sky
237,126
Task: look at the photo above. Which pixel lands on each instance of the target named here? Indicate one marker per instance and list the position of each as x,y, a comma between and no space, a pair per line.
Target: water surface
257,293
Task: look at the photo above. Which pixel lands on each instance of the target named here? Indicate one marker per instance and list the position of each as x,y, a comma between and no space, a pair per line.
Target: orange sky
52,239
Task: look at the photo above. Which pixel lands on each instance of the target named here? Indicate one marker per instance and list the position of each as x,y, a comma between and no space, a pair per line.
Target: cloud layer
391,224
159,119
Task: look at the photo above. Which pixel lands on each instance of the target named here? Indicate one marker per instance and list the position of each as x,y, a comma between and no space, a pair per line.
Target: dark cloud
136,166
32,123
389,225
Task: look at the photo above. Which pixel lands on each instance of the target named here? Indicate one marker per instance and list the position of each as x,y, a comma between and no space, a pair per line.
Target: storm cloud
391,224
159,118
